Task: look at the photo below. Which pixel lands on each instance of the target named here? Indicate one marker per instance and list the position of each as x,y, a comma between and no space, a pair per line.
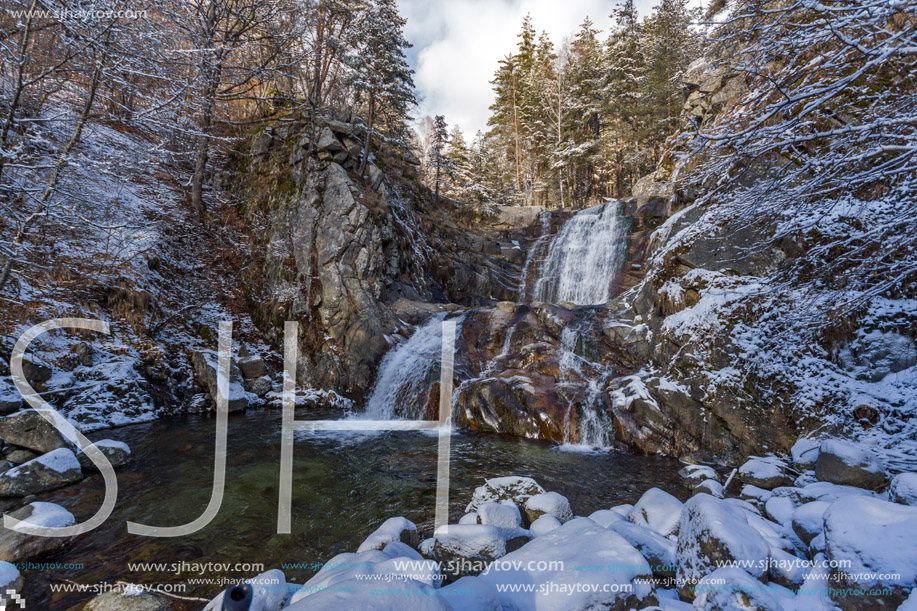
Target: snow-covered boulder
903,489
657,510
117,452
826,491
713,532
711,487
469,518
780,509
47,472
549,563
511,488
16,546
808,520
550,503
504,516
205,364
131,598
659,551
466,549
849,464
732,589
767,474
544,525
753,493
269,592
786,569
879,540
28,429
606,517
695,474
393,529
805,453
471,594
373,596
624,509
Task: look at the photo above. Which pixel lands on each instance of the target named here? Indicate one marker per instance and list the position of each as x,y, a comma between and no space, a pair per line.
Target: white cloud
458,44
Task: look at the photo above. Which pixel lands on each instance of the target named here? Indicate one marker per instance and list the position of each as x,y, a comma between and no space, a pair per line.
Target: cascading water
534,251
594,427
407,372
584,257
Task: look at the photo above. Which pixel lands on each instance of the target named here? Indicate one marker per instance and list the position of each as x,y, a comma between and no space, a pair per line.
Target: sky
458,44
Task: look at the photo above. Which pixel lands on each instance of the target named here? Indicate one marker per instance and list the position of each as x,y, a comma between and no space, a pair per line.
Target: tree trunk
17,90
369,131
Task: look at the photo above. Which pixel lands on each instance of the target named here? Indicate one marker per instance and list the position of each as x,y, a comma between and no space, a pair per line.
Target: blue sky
457,44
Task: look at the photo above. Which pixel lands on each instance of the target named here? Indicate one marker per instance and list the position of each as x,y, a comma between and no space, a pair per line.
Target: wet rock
252,367
17,547
849,464
550,503
129,599
767,474
903,489
658,511
205,363
35,370
117,452
10,399
28,429
261,386
47,472
393,529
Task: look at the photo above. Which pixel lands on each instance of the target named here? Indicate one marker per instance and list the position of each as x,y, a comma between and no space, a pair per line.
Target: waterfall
536,247
594,430
584,257
407,373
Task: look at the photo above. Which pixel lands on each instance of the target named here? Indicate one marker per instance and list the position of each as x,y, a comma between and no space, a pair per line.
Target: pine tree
437,152
380,74
624,87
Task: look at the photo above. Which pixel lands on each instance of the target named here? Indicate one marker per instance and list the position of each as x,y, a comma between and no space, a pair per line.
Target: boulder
471,594
731,589
550,503
129,599
606,517
903,489
544,525
10,399
753,493
205,364
261,386
117,452
658,511
849,464
693,475
17,456
393,529
805,453
47,472
499,489
328,142
876,544
504,516
780,509
713,532
711,487
18,547
659,551
767,474
35,370
808,520
252,367
28,429
466,549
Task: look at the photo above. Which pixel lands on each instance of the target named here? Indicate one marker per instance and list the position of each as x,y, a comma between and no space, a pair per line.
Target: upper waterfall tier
584,257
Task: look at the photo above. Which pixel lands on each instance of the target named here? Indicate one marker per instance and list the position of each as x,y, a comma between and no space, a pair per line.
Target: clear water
584,257
343,488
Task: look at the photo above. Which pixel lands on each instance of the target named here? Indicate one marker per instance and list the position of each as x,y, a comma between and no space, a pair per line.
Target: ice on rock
878,539
550,503
659,551
544,525
269,592
849,464
606,517
657,510
767,474
780,509
511,488
731,589
578,542
903,489
809,519
393,529
713,532
471,594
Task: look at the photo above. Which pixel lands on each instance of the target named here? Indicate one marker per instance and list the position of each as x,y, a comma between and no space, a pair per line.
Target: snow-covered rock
808,520
269,592
767,474
47,472
903,489
504,516
129,599
606,517
579,542
28,429
466,549
826,491
786,569
657,510
550,503
471,594
16,546
805,453
780,509
624,509
713,532
879,540
544,525
732,589
117,452
469,518
511,488
753,493
373,596
695,474
849,464
659,551
393,529
711,487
